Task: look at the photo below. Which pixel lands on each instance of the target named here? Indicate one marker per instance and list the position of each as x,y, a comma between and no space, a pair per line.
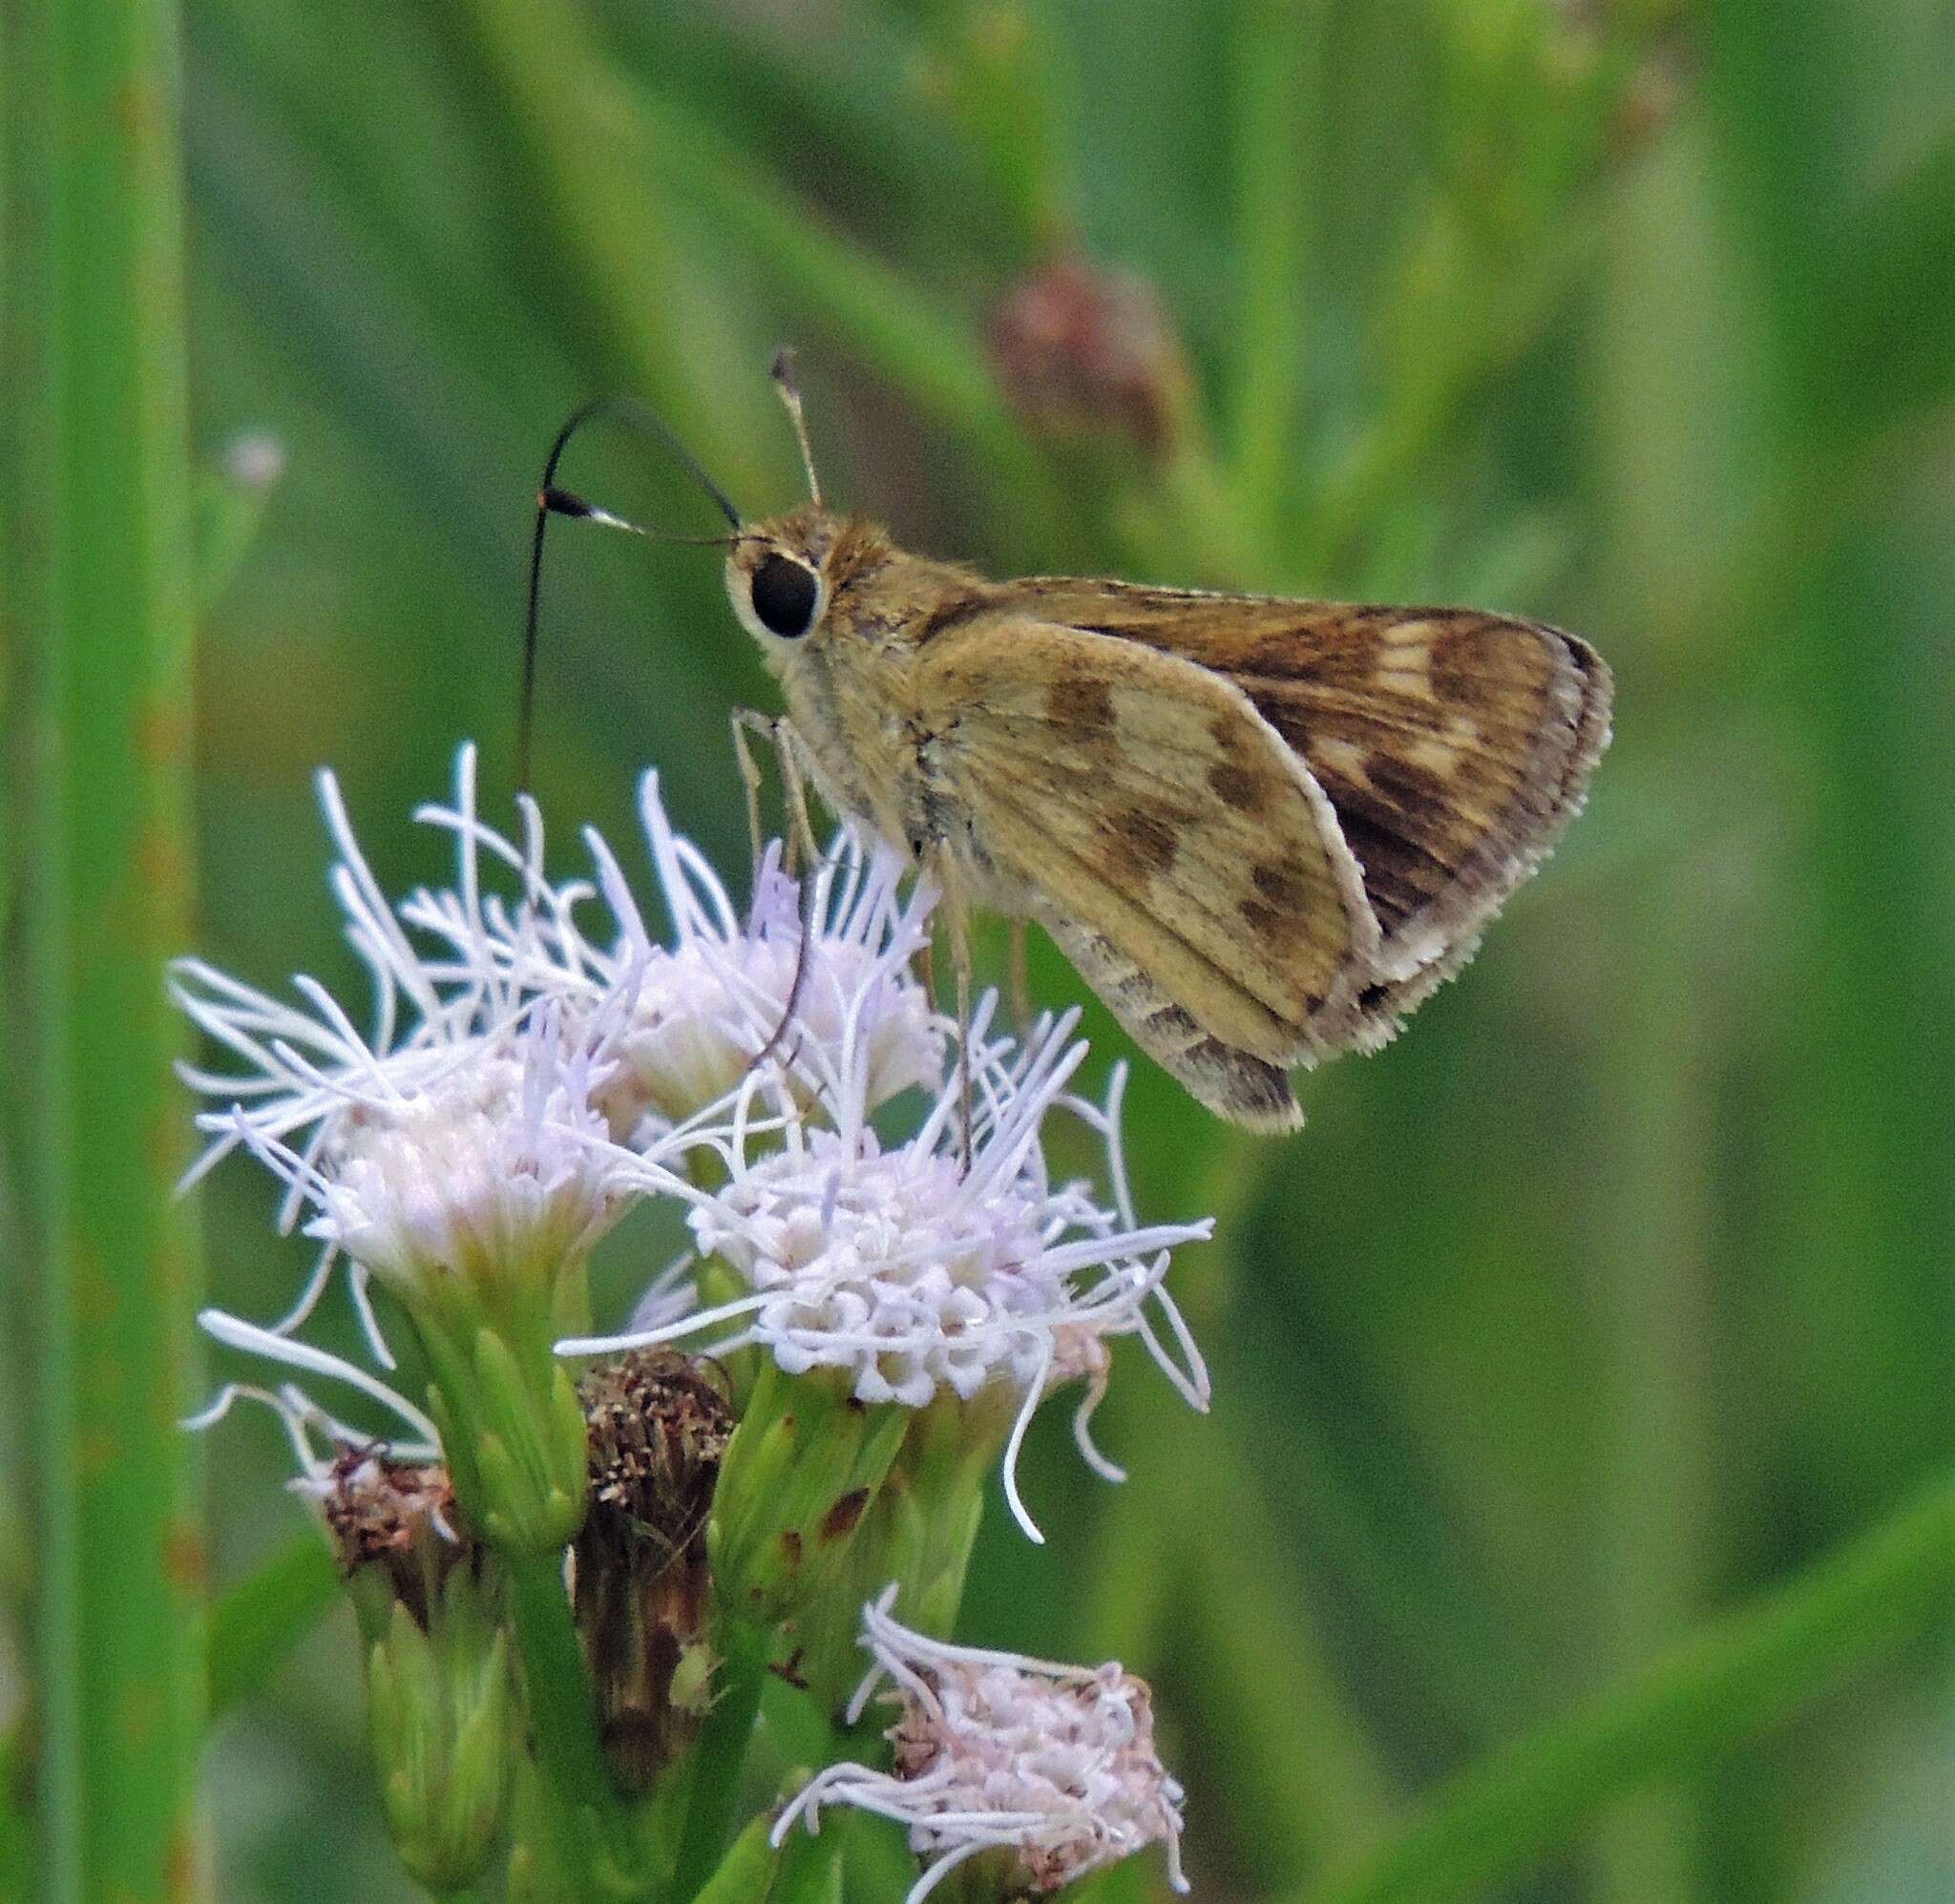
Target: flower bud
918,1533
1085,351
443,1724
798,1476
514,1432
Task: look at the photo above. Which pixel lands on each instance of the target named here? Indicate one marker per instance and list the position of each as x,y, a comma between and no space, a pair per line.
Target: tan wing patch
1145,803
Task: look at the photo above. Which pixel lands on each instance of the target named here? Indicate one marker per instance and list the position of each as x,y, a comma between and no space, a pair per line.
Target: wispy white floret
376,1492
413,1438
1052,1765
706,1004
918,1275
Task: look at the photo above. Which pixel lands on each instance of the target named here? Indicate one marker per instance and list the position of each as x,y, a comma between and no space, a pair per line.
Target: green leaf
1718,1688
256,1624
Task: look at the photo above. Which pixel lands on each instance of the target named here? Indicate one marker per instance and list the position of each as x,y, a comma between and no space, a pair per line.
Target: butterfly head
778,577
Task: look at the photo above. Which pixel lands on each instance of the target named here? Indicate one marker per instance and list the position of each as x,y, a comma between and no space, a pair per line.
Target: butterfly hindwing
1162,830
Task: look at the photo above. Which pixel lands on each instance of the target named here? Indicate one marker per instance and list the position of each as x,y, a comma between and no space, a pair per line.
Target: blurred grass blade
991,69
228,506
1734,1677
587,213
1306,1782
258,1622
101,473
1887,309
1277,46
16,1817
924,351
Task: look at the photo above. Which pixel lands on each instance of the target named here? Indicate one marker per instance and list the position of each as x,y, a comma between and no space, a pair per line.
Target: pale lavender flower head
458,1143
918,1271
1049,1768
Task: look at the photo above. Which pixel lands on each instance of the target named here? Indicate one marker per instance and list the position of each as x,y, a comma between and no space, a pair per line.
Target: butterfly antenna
789,388
552,500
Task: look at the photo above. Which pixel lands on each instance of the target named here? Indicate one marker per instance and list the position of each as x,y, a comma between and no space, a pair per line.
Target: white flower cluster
1053,1766
526,1080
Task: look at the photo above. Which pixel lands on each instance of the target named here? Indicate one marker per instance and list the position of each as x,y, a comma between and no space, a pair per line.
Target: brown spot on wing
1147,837
1264,920
1281,887
1349,642
1241,776
1407,785
1403,871
953,612
1242,787
1080,702
1466,666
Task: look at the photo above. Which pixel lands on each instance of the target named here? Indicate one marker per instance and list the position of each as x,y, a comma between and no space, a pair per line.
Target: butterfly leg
960,961
954,912
782,736
1019,976
779,734
744,720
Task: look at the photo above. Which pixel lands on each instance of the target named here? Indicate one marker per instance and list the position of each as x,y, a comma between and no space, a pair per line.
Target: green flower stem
722,1752
1734,1676
563,1720
101,591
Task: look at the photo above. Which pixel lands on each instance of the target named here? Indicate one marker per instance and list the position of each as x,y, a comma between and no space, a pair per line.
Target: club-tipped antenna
789,387
551,500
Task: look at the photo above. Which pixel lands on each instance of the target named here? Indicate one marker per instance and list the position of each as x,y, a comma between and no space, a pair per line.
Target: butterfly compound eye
784,595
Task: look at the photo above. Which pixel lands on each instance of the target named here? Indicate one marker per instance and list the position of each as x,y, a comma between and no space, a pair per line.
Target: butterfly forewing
1453,745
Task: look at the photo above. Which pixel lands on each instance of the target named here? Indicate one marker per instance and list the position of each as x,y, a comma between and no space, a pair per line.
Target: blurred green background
1617,1291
